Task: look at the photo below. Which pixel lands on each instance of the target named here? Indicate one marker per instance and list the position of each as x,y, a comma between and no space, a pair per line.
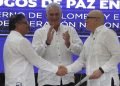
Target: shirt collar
97,30
16,32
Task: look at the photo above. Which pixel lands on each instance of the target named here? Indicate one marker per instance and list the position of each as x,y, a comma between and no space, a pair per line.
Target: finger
61,72
51,28
52,32
66,32
61,66
91,77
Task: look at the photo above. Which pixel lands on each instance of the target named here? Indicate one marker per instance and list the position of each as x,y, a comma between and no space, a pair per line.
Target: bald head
94,19
98,14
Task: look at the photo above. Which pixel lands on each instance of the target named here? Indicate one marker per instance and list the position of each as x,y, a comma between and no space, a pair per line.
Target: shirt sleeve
28,52
78,64
38,43
75,42
113,46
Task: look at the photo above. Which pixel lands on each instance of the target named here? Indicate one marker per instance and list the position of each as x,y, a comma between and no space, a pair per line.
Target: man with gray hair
56,43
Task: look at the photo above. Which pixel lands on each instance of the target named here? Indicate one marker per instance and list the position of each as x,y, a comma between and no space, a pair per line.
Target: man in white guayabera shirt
56,43
100,54
19,55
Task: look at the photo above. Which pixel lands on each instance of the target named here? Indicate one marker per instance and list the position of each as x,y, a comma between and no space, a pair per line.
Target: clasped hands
62,70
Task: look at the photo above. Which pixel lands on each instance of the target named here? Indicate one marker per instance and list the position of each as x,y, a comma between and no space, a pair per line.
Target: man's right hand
50,35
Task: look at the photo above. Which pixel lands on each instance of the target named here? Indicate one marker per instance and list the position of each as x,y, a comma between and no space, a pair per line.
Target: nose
55,16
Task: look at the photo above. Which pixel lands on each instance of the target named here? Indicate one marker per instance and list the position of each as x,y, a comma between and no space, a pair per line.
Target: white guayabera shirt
18,59
56,53
101,49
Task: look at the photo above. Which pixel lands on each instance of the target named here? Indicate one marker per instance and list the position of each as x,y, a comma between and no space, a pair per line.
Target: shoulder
108,32
69,28
24,41
41,30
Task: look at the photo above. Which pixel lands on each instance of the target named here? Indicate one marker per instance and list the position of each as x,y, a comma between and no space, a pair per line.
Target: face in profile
54,16
24,26
94,19
91,22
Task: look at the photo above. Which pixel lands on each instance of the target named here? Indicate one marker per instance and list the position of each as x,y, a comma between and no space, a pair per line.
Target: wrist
102,71
67,44
47,43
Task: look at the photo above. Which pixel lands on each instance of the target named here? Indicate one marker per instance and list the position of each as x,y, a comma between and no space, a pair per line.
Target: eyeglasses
90,17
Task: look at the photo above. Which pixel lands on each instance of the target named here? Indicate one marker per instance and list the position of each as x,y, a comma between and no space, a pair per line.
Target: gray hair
53,5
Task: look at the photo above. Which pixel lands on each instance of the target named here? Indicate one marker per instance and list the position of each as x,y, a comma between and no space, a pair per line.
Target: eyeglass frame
90,17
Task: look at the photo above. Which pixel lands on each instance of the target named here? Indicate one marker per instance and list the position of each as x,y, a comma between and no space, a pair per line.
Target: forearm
40,49
75,67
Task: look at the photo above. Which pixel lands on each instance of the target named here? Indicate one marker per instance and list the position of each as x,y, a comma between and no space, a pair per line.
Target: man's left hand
66,37
96,74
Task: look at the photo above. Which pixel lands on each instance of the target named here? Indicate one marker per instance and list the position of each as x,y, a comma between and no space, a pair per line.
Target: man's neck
20,32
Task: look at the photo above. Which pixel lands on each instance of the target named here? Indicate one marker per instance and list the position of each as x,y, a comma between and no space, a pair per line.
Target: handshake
62,70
